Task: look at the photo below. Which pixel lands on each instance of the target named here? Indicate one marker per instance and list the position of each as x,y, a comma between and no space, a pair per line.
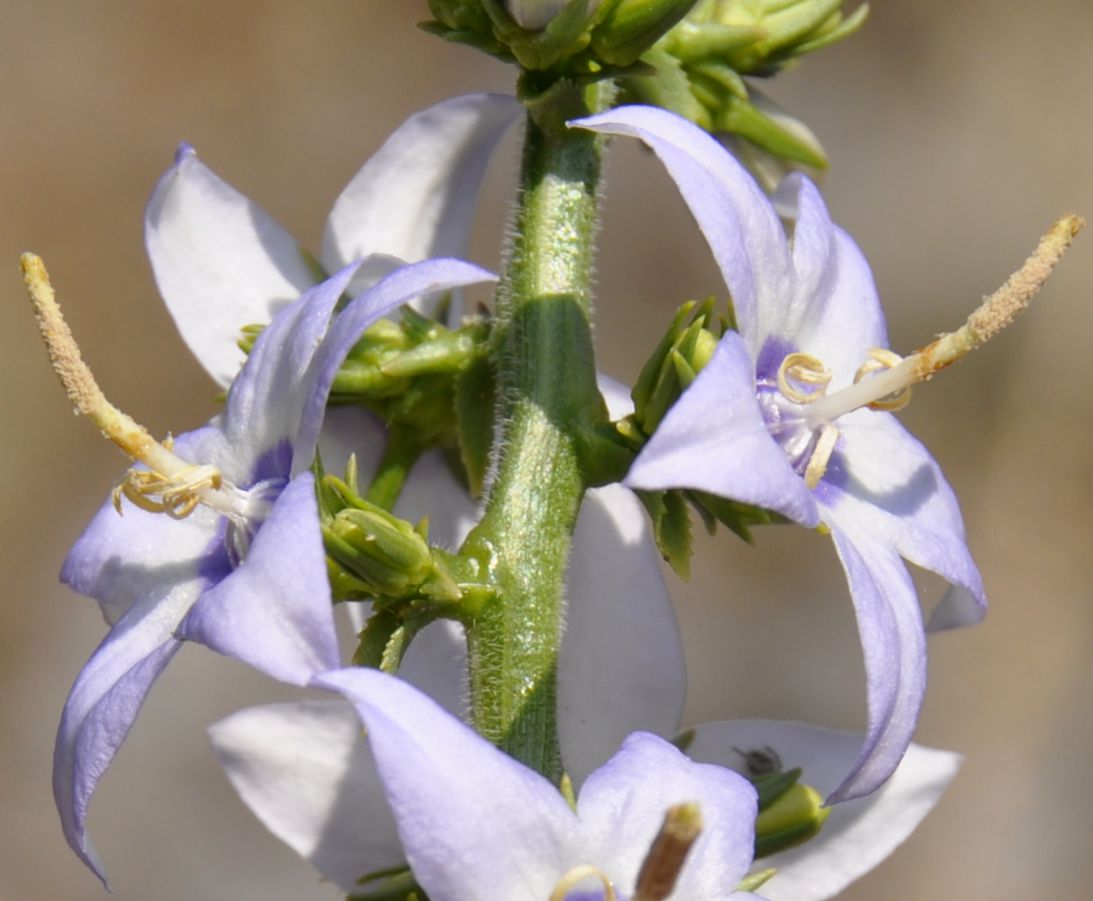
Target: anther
821,454
989,318
803,369
880,358
576,876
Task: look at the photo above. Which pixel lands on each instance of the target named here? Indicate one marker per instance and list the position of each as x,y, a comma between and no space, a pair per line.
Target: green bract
565,38
700,64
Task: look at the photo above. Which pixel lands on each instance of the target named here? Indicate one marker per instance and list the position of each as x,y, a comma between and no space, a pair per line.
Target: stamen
662,865
804,369
578,875
993,315
881,358
180,485
821,454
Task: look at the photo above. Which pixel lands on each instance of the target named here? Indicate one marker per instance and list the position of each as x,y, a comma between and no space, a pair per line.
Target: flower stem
546,394
399,456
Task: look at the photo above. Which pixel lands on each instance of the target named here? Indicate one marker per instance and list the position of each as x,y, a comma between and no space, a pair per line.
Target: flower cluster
573,779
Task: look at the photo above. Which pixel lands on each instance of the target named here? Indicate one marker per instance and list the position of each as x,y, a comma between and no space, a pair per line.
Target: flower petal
832,311
714,439
104,702
475,824
274,611
415,198
889,483
734,214
894,645
387,295
266,401
858,834
219,260
622,805
306,772
621,636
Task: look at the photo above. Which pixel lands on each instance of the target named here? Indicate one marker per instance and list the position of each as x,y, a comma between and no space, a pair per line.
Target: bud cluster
568,38
682,353
701,63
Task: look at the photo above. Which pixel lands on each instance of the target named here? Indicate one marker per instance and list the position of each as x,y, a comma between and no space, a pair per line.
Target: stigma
802,415
165,483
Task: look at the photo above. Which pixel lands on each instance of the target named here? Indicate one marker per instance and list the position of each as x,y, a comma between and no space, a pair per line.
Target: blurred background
957,132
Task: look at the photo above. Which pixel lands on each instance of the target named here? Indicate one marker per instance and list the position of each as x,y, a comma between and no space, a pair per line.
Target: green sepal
373,639
667,86
795,817
743,118
771,786
756,880
738,517
474,407
840,28
566,35
693,43
394,884
671,528
630,27
605,454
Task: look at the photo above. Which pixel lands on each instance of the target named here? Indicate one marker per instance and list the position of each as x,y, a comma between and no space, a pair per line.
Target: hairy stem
546,393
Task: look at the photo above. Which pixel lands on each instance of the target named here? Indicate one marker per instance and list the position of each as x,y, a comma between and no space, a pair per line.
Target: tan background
957,131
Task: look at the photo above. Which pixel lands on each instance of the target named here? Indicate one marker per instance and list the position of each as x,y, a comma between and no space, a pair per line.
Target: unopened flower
535,14
769,421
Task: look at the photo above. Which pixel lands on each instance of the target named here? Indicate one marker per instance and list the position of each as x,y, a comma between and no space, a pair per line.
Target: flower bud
536,14
631,27
795,817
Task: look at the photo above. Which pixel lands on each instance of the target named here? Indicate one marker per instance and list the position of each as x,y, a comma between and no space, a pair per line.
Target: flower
310,776
766,423
222,263
239,563
476,824
307,773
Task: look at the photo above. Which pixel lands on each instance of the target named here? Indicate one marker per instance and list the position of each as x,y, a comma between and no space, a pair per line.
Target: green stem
546,396
399,457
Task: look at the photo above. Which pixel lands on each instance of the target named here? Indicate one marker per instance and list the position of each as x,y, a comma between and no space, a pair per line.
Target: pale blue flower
737,434
476,825
309,774
245,571
221,262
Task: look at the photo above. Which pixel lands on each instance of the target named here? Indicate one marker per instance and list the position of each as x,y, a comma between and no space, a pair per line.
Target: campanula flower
218,539
221,262
308,773
769,420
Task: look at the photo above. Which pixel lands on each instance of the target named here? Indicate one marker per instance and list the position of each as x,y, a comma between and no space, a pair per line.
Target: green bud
680,355
631,27
375,554
795,817
537,14
381,550
700,68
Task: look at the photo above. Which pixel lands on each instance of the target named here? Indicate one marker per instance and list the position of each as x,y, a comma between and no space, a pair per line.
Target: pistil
993,315
172,485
